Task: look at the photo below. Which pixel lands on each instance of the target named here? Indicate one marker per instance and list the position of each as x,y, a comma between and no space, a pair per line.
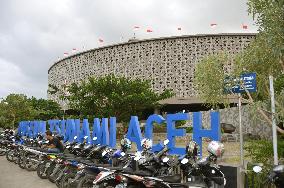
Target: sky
35,34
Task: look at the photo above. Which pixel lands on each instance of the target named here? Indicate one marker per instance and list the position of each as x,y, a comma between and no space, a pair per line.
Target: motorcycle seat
137,172
87,162
73,158
115,168
104,165
278,169
69,155
203,163
189,184
171,179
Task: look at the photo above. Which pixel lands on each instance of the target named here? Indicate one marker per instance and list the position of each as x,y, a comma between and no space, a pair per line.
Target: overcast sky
34,33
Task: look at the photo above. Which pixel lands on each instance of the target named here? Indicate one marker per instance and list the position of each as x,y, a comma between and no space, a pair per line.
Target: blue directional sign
238,85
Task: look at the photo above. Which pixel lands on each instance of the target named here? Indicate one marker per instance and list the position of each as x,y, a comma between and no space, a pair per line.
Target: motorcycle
275,176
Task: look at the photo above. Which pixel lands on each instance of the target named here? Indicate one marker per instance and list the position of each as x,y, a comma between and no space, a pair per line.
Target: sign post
241,130
246,82
274,133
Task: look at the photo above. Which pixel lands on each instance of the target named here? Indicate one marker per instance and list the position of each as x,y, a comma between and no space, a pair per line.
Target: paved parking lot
12,176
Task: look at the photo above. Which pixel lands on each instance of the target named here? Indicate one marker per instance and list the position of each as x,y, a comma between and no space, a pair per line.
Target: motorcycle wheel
3,150
50,169
29,164
65,181
41,170
16,156
54,175
10,155
108,184
20,162
85,182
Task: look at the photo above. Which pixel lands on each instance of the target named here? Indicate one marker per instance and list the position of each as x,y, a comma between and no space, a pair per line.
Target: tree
15,108
209,79
263,56
269,17
45,109
113,96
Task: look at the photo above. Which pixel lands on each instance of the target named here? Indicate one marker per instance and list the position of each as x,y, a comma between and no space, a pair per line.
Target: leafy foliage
113,96
264,56
17,107
261,151
45,109
269,17
210,74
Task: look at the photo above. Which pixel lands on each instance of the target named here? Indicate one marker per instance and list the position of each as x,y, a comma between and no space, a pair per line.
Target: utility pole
274,133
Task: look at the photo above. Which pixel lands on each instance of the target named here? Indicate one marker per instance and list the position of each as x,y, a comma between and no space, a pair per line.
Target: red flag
65,53
244,26
149,30
136,27
179,28
213,25
101,40
74,50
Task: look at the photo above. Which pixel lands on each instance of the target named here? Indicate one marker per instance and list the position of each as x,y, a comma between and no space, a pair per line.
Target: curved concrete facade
168,62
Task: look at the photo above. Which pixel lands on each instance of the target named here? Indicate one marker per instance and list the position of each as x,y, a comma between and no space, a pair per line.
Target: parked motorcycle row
97,166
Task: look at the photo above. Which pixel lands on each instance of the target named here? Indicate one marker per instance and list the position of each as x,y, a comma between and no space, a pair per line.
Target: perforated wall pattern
168,62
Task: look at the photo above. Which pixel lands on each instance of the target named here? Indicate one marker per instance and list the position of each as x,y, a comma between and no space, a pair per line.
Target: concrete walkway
12,176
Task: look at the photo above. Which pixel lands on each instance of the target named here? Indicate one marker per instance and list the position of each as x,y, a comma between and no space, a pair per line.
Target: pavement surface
12,176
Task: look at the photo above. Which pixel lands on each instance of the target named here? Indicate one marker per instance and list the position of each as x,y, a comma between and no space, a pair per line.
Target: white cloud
14,80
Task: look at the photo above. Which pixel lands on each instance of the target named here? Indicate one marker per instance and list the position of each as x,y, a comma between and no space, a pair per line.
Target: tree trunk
263,114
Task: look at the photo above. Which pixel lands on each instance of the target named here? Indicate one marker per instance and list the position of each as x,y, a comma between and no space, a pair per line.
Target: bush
261,151
160,128
180,123
189,129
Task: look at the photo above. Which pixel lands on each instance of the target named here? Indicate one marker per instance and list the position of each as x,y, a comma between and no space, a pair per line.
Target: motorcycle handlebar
157,156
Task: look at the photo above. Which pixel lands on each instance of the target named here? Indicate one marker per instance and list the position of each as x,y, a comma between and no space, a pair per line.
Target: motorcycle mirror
95,138
166,142
85,137
75,137
136,158
257,169
166,159
104,153
184,161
